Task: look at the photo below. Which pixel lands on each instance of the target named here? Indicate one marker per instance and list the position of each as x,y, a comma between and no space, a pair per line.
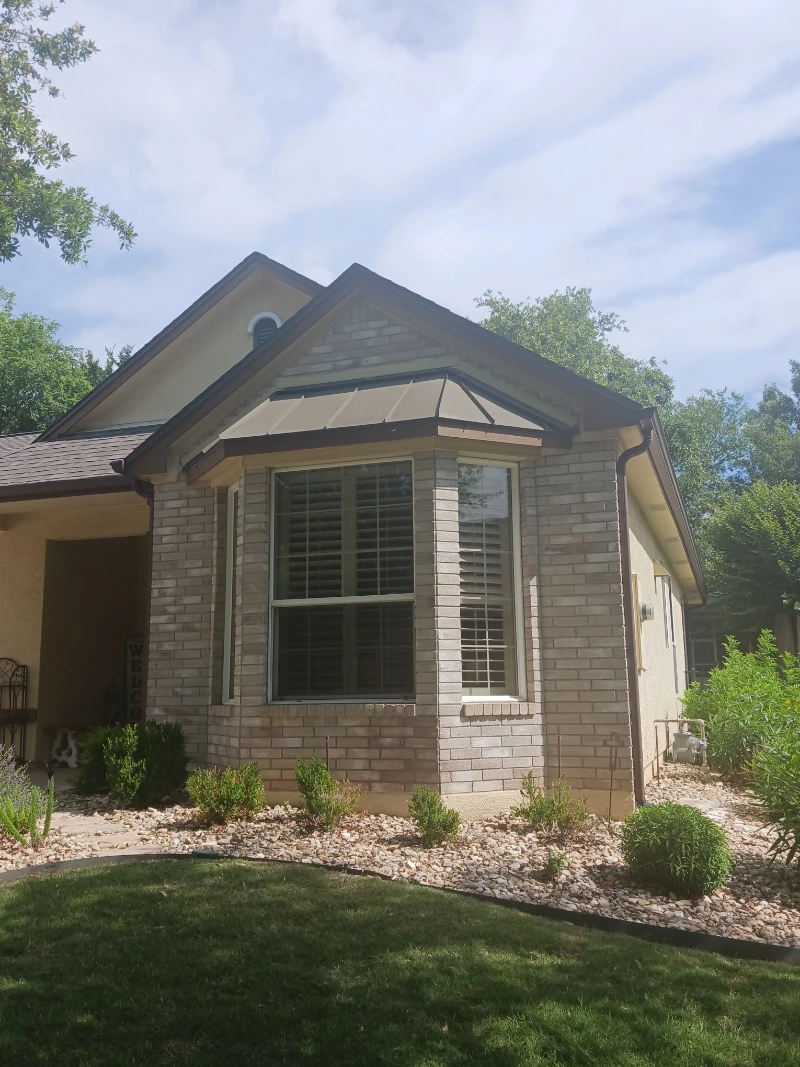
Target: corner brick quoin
475,753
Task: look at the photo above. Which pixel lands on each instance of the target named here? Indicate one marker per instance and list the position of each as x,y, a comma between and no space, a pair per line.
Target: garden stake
327,753
559,755
658,762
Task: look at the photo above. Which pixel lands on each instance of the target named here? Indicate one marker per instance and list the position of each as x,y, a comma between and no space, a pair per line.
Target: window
263,330
666,601
488,566
343,583
229,638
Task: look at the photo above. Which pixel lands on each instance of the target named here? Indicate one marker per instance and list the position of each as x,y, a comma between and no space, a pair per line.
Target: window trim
516,582
263,315
343,601
230,596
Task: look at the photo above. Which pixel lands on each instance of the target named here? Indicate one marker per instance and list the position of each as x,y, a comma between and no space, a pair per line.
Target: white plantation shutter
341,534
486,567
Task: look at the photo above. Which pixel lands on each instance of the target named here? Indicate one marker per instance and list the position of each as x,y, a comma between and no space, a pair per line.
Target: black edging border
737,948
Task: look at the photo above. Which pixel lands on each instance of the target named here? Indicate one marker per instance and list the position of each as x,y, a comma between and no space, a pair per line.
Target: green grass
207,963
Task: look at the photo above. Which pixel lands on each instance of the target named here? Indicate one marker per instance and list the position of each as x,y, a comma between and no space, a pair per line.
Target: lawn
207,963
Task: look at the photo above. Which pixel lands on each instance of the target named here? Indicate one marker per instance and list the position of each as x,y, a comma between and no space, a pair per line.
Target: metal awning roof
443,396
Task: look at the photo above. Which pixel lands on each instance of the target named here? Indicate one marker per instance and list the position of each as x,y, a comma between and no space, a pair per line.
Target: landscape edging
735,947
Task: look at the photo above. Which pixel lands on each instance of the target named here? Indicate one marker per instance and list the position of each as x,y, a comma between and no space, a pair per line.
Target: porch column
182,637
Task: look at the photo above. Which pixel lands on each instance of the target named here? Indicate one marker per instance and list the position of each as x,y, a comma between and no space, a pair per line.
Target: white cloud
514,145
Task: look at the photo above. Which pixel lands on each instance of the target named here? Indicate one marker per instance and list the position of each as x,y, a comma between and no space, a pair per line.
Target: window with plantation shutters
343,583
487,579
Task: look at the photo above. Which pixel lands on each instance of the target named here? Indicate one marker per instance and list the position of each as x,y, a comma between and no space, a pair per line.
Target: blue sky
649,151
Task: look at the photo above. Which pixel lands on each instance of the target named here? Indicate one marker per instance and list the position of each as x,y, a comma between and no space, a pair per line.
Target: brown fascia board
254,261
667,479
111,483
379,432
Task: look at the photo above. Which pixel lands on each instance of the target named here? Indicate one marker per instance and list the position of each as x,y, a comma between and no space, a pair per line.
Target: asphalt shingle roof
26,461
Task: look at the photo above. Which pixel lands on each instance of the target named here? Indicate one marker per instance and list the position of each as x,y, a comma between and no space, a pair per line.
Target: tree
753,559
567,328
772,432
708,444
40,376
31,202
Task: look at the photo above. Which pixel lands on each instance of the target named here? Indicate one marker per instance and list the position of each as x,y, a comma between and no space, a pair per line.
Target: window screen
486,562
341,535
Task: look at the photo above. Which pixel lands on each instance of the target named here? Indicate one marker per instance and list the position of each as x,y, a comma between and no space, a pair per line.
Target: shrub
22,803
142,766
164,754
676,847
225,793
327,799
435,821
751,695
125,772
776,783
90,777
554,865
559,811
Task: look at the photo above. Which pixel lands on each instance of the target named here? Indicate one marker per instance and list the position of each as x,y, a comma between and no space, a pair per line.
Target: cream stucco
196,358
662,675
23,547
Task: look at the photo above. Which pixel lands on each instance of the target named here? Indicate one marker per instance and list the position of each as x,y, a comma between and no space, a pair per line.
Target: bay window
343,583
488,566
229,636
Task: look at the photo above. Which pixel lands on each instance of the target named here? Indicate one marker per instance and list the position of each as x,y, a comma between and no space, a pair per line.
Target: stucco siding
195,359
23,548
662,665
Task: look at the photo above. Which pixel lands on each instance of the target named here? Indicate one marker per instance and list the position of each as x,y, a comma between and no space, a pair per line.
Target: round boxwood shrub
676,847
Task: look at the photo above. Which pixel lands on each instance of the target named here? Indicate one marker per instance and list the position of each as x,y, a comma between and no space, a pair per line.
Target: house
345,519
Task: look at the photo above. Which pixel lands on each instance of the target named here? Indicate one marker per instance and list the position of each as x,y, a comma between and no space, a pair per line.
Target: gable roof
607,408
255,261
79,464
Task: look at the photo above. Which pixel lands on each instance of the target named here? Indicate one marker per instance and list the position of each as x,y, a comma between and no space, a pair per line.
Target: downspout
146,490
630,609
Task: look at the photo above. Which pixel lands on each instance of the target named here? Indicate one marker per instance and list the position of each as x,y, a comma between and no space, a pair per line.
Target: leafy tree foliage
568,329
772,433
40,376
31,202
708,444
753,554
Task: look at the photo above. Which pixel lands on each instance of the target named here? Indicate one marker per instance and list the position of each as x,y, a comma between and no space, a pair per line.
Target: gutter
628,606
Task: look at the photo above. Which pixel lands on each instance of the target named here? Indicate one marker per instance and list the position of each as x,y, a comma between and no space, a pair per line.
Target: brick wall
183,646
584,670
365,337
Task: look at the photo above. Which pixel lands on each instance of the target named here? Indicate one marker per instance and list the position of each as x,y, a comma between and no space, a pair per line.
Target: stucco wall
23,547
207,349
662,673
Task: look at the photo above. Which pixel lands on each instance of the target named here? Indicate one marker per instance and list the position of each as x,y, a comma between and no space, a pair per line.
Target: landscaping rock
495,857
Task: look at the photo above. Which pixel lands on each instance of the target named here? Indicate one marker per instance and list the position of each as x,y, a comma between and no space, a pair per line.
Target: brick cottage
345,518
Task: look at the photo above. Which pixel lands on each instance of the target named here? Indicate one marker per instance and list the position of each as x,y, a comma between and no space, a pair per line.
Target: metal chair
14,711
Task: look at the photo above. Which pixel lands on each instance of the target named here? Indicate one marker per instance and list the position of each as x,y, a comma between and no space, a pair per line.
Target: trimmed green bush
125,773
225,793
677,848
165,761
140,767
751,695
557,812
327,799
90,777
435,821
776,783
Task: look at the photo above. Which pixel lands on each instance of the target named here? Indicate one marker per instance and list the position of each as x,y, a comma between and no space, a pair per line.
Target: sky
649,151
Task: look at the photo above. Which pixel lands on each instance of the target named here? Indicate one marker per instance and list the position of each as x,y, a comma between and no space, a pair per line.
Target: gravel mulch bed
497,857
